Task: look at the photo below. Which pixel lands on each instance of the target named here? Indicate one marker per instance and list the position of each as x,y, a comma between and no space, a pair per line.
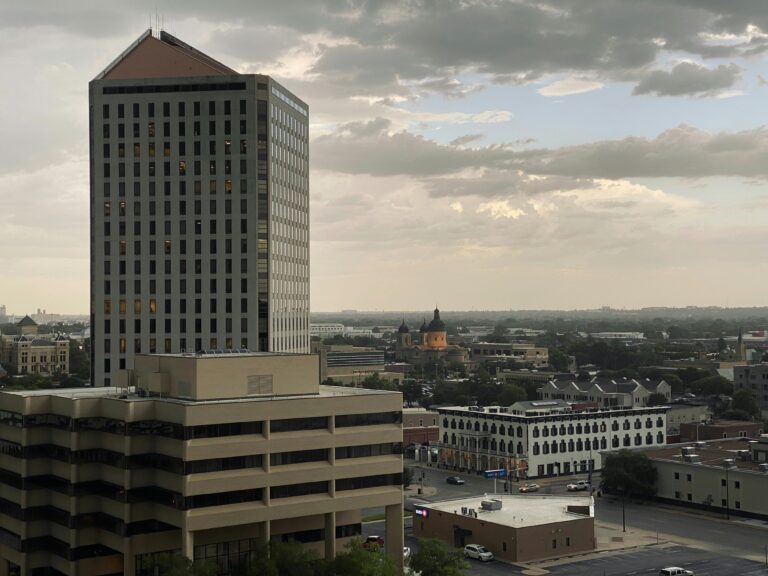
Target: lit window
107,209
107,306
137,306
151,129
122,307
152,306
182,168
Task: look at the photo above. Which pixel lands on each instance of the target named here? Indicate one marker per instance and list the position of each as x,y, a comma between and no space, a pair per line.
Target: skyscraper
199,208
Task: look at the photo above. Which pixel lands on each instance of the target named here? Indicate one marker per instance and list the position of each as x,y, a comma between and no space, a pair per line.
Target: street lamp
727,494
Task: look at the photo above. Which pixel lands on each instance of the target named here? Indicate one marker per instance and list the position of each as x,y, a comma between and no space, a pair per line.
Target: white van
675,571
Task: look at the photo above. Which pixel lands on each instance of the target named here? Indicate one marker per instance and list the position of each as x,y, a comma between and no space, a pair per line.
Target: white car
478,552
578,486
675,571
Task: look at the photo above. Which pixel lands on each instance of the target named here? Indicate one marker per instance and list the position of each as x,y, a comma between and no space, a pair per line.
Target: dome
403,328
436,325
423,326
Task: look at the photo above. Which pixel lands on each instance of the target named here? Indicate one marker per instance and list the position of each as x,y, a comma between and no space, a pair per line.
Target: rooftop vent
763,466
687,450
729,463
744,455
491,504
691,458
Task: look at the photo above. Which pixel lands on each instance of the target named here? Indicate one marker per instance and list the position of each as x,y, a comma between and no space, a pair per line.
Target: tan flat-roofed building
208,455
515,528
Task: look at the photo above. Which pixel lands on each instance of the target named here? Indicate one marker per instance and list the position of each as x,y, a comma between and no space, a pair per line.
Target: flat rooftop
711,454
519,511
130,395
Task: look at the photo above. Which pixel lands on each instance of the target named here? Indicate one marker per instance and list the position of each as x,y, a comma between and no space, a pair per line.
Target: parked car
530,488
478,552
454,480
578,486
675,571
373,542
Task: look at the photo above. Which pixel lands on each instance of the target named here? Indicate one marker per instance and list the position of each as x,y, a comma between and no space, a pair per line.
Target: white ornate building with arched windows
532,439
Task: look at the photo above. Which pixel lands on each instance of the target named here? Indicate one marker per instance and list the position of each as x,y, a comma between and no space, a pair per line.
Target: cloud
569,86
466,139
500,209
689,79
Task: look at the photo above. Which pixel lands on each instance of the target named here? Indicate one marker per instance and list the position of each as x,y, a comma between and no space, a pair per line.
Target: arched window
660,438
648,423
571,445
493,428
638,424
570,428
461,424
553,430
579,445
544,431
485,426
453,424
638,440
554,447
545,448
484,444
519,431
660,422
594,428
520,448
445,422
477,426
535,431
615,426
502,446
536,448
649,438
603,444
461,441
493,444
627,425
603,427
562,446
445,438
502,430
578,428
562,429
453,439
627,440
615,442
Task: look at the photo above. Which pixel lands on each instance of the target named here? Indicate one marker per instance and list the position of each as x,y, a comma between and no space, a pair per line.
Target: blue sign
501,473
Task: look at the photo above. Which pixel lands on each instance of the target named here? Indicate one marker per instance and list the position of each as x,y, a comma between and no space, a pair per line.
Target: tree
433,558
558,360
743,400
674,382
711,385
511,393
79,361
657,399
175,564
292,558
357,561
629,473
407,476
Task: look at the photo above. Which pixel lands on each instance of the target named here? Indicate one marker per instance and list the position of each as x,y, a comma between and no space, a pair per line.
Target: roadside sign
500,473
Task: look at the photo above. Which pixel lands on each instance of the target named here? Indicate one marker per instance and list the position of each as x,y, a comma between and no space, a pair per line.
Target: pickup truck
578,486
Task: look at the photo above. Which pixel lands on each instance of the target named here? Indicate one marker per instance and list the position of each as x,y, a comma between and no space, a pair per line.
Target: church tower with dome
430,346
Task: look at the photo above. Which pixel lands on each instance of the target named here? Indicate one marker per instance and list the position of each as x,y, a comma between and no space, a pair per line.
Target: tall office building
199,208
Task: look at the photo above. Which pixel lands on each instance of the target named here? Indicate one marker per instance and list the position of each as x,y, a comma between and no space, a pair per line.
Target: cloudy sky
475,154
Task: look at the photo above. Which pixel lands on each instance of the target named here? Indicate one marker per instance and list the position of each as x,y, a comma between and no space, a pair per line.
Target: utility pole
623,512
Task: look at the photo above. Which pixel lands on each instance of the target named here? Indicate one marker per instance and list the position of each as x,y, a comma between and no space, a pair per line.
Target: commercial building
753,378
727,476
514,528
420,426
719,430
520,352
543,438
348,364
626,392
679,414
199,208
32,353
208,455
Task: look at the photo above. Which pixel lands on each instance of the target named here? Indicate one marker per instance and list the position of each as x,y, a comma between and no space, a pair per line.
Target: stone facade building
33,353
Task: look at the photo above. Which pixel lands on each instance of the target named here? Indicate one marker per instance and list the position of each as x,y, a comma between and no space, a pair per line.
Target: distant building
521,352
33,353
428,346
725,476
326,330
518,528
680,414
543,438
753,378
630,336
3,314
625,392
719,430
208,455
347,364
420,426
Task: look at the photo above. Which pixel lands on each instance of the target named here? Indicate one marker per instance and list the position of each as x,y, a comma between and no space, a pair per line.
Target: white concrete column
188,543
